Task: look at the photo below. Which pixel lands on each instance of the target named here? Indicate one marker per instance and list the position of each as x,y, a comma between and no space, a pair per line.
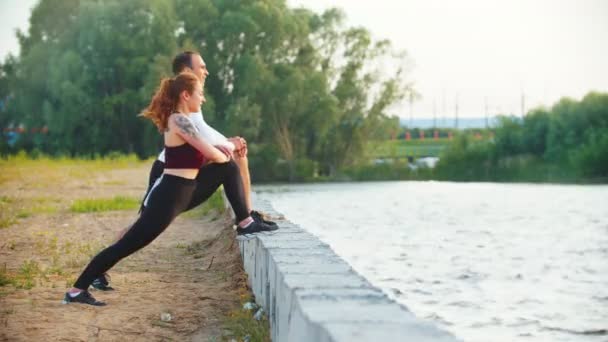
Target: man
208,179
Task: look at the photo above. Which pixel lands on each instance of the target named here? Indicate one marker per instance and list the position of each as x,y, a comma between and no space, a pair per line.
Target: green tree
85,77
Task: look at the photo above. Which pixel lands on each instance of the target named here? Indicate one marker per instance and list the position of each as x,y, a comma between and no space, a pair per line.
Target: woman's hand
225,150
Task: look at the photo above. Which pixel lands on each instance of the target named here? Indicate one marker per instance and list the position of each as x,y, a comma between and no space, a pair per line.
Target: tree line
565,143
306,91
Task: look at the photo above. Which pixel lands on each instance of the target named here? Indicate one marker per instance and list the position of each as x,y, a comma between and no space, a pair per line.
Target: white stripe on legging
152,189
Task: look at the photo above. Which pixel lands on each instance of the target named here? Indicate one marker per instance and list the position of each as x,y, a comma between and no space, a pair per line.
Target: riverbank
56,214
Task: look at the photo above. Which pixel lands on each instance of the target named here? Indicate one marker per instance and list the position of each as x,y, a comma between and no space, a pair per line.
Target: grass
36,173
24,278
7,217
105,204
5,278
56,259
403,148
240,324
55,169
56,262
213,206
12,208
111,161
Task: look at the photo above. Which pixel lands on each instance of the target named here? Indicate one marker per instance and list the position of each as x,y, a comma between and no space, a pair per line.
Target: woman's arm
186,130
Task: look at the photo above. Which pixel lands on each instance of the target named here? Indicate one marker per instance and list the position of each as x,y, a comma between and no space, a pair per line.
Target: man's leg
243,164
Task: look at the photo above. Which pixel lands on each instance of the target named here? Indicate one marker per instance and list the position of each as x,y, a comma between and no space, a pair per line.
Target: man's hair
182,60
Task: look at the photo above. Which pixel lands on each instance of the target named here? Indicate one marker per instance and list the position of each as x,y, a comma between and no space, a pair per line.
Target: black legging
168,199
209,178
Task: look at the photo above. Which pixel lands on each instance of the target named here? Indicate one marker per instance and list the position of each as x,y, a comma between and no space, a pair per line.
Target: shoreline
312,294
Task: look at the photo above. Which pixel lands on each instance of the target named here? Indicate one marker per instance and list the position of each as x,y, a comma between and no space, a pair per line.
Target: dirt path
192,271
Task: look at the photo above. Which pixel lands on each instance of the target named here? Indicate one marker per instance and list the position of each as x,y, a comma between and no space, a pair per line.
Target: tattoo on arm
185,125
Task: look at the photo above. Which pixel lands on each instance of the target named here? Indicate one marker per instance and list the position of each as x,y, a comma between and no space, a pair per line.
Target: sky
469,54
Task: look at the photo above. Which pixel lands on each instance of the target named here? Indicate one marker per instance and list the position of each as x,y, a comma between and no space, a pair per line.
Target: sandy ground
192,271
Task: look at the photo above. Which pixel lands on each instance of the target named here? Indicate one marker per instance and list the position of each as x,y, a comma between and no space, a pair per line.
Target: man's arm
210,134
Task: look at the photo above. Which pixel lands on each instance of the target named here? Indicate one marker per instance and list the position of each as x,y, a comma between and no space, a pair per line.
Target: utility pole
411,98
485,100
456,112
523,104
434,114
443,111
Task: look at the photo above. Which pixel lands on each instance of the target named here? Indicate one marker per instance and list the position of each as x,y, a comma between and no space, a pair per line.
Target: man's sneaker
101,283
256,227
83,297
257,216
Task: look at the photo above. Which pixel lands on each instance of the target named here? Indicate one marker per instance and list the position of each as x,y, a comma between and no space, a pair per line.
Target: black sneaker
256,227
257,216
101,283
83,297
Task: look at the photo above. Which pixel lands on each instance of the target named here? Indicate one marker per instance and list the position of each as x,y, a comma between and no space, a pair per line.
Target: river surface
486,261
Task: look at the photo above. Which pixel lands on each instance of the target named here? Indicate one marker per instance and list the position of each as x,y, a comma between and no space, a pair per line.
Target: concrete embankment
311,294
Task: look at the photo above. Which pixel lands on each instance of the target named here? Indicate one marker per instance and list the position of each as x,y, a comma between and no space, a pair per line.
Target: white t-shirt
208,133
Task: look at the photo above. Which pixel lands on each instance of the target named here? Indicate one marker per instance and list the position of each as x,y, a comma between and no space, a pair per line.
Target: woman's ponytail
165,100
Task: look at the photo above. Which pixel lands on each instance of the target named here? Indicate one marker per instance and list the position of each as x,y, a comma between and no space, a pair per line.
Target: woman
185,153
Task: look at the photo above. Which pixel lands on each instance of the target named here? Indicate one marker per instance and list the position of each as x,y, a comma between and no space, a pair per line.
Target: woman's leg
101,282
208,180
157,170
165,202
211,176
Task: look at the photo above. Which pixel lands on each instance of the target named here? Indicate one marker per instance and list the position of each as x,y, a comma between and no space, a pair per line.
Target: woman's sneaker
258,216
256,227
83,297
102,283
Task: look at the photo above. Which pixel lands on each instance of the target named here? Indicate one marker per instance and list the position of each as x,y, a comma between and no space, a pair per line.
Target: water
488,262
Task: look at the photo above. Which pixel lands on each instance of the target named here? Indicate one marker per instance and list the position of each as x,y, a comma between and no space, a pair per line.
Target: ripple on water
471,276
464,304
435,317
422,292
494,321
600,298
588,332
396,291
527,301
521,321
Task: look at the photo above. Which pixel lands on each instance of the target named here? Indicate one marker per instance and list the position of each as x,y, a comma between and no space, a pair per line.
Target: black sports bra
184,156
